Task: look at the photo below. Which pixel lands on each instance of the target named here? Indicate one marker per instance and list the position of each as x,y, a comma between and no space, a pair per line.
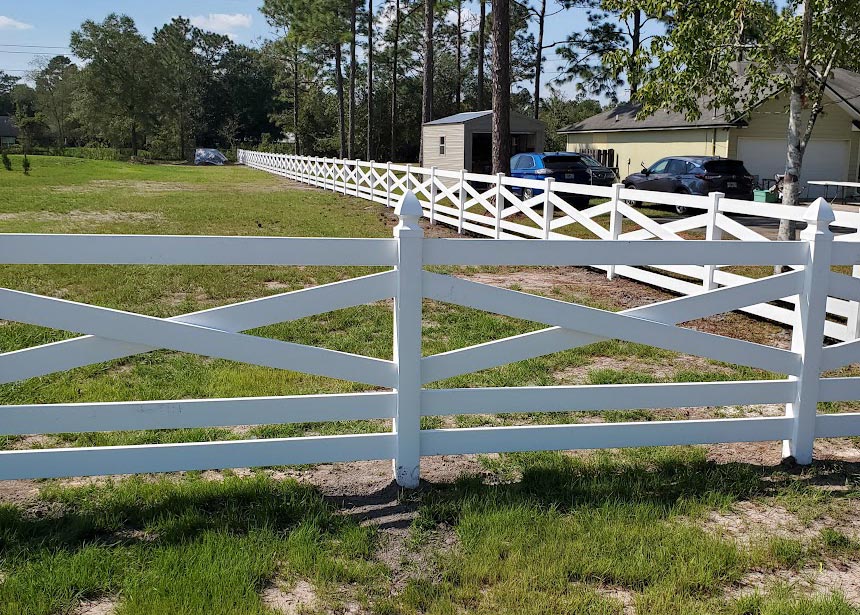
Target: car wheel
631,202
528,193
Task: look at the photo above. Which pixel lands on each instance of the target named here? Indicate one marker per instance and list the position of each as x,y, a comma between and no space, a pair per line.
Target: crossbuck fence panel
536,209
401,393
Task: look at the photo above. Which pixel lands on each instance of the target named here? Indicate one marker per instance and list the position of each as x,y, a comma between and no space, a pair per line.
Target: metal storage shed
462,141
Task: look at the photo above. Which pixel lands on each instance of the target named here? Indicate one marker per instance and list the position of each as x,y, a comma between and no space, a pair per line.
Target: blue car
561,166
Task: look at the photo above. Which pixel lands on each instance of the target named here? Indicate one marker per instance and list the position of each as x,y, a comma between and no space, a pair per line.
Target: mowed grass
547,533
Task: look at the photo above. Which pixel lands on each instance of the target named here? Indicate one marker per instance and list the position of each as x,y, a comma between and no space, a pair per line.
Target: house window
441,146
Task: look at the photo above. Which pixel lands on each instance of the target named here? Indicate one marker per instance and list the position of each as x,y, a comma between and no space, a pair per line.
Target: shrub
7,164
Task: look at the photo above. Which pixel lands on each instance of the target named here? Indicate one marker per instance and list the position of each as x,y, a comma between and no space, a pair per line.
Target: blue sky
48,23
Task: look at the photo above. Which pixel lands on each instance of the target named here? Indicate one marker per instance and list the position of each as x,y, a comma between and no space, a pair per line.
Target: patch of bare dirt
18,492
626,597
180,297
748,522
829,577
102,606
665,368
301,597
622,294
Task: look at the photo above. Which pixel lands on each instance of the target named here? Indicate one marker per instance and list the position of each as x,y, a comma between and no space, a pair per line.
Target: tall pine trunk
296,147
338,81
427,84
482,45
539,58
394,78
458,97
352,68
369,79
501,86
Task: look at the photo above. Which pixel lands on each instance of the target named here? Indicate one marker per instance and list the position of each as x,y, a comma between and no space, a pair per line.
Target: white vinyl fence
467,202
108,334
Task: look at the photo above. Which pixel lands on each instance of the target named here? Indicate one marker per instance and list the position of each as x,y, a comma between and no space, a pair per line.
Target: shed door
824,160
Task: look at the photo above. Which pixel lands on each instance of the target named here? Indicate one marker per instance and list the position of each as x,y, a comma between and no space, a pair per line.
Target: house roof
843,88
7,127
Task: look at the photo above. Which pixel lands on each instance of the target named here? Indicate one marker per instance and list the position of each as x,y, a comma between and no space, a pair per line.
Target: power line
29,53
34,46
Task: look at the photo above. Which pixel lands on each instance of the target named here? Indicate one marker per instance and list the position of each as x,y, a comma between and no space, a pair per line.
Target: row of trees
181,88
342,77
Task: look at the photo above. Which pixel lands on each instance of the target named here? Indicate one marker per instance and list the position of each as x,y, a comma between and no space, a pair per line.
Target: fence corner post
808,332
615,222
712,233
407,340
548,208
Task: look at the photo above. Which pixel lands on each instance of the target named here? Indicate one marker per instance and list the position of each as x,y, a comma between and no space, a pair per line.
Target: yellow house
757,137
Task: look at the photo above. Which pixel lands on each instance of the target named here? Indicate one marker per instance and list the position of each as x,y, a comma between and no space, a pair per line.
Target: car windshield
725,167
591,161
563,162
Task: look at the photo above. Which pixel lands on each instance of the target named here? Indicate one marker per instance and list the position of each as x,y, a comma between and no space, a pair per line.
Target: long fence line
403,393
536,209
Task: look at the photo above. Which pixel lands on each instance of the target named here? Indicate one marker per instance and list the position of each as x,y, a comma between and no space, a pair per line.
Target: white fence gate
467,201
109,334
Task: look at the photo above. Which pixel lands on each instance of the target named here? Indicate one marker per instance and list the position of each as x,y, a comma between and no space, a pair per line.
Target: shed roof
483,117
7,127
459,118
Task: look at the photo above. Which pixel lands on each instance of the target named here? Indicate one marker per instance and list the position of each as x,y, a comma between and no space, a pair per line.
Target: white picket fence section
108,334
467,202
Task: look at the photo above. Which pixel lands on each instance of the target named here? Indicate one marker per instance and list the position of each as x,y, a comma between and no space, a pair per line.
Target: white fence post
712,233
615,222
388,184
462,203
853,321
500,204
357,176
372,179
432,195
808,335
408,183
548,208
407,341
345,164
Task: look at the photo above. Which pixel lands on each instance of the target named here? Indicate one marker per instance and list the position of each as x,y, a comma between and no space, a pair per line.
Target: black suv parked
695,175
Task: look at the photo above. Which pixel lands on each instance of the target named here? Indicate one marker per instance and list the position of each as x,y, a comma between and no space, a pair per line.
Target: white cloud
7,23
222,23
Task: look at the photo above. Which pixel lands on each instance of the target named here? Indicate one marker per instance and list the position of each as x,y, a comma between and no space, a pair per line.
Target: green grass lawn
538,533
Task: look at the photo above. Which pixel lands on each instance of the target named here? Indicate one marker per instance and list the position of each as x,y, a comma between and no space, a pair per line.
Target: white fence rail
467,202
109,334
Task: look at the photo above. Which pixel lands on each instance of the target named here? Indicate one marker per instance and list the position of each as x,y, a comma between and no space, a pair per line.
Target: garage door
824,159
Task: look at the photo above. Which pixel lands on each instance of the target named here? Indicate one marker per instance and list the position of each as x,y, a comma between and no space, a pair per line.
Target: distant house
462,141
758,137
8,131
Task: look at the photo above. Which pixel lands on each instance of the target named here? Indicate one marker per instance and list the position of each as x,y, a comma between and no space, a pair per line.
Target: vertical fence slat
407,340
712,233
500,205
548,208
616,221
808,334
461,205
432,195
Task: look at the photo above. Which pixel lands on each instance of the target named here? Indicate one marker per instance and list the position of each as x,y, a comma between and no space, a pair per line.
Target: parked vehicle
561,166
698,175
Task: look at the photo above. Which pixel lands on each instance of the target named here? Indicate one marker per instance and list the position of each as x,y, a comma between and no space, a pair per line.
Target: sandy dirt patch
103,606
297,600
80,217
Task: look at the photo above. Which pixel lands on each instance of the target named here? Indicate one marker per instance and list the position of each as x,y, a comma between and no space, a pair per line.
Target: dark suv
698,175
